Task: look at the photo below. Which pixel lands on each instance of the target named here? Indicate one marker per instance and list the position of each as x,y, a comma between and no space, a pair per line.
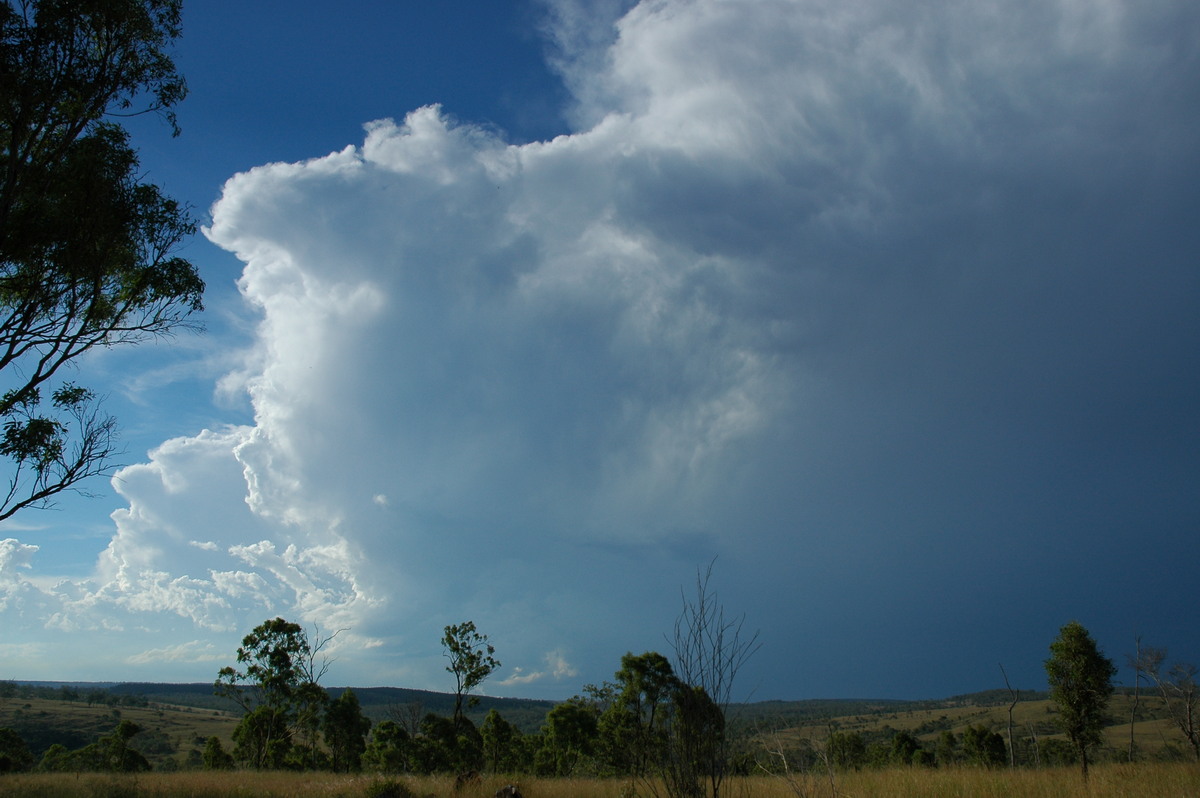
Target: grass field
1150,780
170,731
1154,733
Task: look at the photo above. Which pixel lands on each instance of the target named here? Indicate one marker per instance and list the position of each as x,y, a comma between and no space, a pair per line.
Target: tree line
648,723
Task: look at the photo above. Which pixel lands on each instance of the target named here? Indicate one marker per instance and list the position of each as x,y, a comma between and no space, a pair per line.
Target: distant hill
378,703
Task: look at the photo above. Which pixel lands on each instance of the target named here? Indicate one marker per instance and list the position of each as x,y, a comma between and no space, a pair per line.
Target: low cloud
192,651
557,669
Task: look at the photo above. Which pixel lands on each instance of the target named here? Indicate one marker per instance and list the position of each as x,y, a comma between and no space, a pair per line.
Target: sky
526,313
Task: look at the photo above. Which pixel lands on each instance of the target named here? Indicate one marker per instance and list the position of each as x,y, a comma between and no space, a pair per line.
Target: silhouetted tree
471,661
85,246
709,651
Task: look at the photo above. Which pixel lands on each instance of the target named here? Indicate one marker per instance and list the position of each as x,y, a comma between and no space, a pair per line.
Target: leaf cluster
86,247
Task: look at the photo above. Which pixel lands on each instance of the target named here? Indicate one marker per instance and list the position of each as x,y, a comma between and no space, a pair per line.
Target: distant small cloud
192,651
204,545
557,668
380,499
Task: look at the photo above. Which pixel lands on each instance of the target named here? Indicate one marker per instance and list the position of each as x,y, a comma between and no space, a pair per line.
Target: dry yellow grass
1149,780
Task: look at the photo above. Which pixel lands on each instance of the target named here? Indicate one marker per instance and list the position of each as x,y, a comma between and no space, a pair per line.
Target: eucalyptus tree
471,661
636,725
345,729
1081,686
87,249
279,692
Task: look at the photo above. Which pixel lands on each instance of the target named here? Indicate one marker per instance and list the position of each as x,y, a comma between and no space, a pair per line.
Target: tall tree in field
471,661
1081,686
86,247
275,690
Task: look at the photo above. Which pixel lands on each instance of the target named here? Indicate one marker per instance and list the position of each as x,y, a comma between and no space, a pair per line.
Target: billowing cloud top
841,291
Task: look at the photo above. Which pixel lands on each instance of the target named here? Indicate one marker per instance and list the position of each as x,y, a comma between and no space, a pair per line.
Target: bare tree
709,651
801,783
1012,751
1178,690
1136,663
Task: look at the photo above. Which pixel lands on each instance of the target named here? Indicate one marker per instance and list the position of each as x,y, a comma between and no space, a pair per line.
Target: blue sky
522,313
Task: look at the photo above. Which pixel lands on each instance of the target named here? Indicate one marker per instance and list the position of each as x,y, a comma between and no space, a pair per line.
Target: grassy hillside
178,718
169,732
1155,736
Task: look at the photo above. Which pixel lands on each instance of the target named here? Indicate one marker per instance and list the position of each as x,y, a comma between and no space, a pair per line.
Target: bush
389,788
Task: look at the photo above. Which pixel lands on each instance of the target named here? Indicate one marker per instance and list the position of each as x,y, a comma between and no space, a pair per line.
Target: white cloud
796,255
14,555
557,669
191,651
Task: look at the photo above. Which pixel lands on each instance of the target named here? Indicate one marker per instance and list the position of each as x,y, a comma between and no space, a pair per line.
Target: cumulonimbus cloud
781,221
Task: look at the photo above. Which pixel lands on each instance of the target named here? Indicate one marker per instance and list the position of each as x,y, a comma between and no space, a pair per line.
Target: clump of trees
655,720
285,709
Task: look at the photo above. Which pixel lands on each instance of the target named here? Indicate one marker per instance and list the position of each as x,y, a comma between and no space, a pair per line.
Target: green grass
41,722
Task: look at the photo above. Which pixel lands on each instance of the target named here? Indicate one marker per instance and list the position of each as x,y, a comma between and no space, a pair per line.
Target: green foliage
634,729
388,750
85,247
112,753
345,729
1080,686
279,693
946,752
215,757
904,747
569,739
471,661
262,738
15,755
982,746
502,749
390,788
1054,752
846,750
